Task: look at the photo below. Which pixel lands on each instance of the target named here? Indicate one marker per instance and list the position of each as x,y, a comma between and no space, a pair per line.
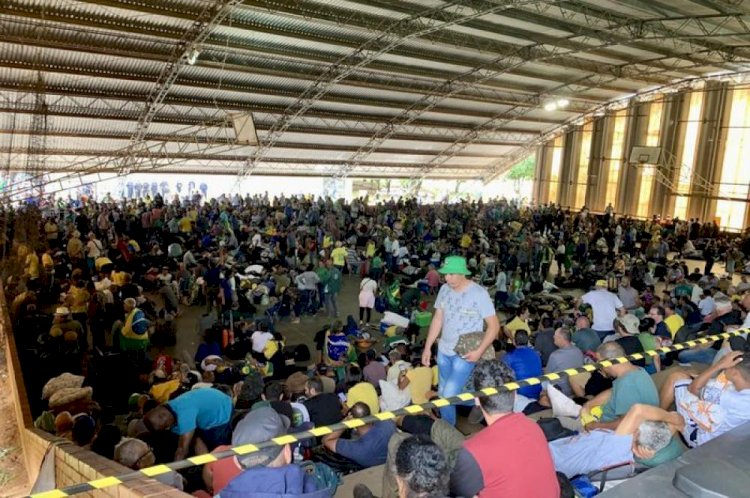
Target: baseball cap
631,323
258,426
601,283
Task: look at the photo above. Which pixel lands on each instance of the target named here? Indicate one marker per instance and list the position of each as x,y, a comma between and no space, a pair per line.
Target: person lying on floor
646,435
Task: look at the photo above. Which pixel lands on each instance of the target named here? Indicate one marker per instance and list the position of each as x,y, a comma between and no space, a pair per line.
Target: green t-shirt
634,387
322,273
333,285
648,341
376,262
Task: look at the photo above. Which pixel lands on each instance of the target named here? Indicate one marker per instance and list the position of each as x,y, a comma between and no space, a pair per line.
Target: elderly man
462,307
136,454
606,307
201,414
567,355
132,334
646,435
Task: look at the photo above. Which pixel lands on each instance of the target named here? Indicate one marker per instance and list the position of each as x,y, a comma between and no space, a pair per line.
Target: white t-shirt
94,248
605,306
260,339
368,285
501,283
706,306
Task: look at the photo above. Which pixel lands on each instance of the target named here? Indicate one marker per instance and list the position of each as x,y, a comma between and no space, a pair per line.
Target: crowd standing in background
98,291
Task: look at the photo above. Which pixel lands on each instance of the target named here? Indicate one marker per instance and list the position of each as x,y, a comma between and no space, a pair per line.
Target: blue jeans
697,356
330,303
453,373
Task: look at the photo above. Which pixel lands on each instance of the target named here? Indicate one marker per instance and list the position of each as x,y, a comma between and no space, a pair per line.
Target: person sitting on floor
478,470
136,454
371,447
421,470
268,471
525,363
632,386
714,402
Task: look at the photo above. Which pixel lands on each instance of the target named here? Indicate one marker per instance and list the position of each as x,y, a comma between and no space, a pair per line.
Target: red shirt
510,458
224,470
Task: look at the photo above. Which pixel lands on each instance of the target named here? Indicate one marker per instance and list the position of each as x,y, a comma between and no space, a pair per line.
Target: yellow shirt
339,256
118,278
48,262
364,392
186,225
327,241
674,323
161,392
370,251
515,325
32,265
79,299
466,241
420,381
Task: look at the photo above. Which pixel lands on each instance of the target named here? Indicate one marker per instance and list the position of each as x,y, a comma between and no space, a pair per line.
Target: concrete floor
188,338
188,324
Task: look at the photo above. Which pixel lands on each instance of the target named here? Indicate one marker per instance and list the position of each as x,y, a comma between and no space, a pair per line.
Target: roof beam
211,16
234,160
229,57
606,32
190,110
371,23
280,145
335,125
416,86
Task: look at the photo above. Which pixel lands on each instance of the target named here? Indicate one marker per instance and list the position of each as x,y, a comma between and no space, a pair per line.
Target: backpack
324,475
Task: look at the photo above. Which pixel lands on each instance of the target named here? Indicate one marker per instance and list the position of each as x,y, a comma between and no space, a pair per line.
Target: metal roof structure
367,88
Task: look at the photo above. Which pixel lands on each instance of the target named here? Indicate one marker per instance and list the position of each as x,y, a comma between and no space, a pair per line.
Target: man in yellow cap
606,307
462,307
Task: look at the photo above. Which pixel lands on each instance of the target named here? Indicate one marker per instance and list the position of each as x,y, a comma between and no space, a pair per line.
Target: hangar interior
418,89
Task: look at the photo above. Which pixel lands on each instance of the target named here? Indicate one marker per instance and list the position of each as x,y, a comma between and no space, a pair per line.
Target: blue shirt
200,409
372,448
525,363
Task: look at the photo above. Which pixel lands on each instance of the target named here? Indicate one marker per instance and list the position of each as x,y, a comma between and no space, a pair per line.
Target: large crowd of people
472,295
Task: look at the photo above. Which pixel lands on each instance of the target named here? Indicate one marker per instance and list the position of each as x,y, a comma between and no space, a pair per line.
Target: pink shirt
433,278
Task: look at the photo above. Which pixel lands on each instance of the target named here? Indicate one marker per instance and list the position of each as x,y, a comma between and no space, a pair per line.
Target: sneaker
295,320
